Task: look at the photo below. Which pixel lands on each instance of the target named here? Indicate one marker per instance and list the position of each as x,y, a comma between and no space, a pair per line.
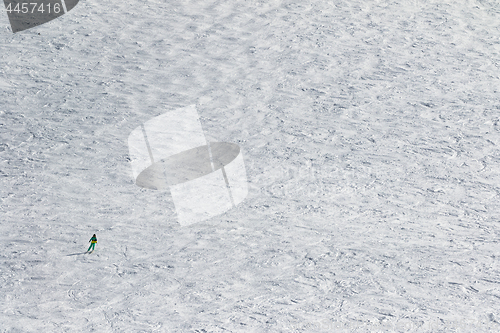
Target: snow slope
370,132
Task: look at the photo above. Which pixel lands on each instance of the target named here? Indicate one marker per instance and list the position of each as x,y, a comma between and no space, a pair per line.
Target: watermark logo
26,14
205,179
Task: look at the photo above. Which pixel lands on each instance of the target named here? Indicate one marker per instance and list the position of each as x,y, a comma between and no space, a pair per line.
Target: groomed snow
370,133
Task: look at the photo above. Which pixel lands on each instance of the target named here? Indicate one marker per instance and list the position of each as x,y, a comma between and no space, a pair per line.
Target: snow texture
370,133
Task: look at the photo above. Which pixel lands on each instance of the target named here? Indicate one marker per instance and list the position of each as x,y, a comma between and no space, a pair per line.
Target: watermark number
35,8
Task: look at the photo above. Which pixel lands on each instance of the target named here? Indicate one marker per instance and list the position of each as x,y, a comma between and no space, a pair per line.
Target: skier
93,242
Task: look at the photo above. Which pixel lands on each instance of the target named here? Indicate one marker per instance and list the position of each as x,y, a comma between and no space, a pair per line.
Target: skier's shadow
75,254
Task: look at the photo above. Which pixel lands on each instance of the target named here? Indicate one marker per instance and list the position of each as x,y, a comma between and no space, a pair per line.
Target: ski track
370,133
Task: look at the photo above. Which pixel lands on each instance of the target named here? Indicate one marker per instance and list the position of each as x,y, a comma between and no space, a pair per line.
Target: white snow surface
370,133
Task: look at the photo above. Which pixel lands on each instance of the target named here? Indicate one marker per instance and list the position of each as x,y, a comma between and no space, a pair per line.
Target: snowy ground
370,132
